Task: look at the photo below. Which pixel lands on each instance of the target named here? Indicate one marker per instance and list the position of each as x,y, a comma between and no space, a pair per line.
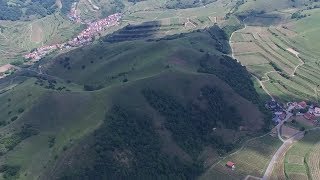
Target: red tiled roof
230,164
309,116
303,104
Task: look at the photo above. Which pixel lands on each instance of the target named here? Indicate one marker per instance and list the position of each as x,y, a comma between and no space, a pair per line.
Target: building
283,115
309,116
231,164
301,105
316,111
271,105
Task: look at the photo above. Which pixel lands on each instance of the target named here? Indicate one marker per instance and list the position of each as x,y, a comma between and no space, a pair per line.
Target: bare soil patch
288,132
293,51
36,33
59,4
5,68
303,120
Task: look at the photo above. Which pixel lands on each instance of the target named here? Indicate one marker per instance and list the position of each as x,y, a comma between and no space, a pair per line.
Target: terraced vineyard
271,54
18,38
313,162
301,160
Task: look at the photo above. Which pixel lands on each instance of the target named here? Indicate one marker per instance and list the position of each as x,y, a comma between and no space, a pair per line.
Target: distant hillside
184,4
22,10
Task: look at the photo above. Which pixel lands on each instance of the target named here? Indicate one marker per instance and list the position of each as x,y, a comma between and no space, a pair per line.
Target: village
84,37
305,112
308,111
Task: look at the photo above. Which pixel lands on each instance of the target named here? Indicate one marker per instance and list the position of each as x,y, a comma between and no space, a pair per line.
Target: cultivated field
252,159
282,56
18,38
300,160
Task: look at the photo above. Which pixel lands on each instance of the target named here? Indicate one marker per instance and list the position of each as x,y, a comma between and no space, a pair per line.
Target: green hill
140,109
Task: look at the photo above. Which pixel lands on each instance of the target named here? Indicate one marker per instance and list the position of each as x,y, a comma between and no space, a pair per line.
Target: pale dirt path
59,4
252,177
95,7
266,74
282,151
301,63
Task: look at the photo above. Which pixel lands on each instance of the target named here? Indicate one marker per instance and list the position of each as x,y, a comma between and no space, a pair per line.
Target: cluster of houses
93,28
308,111
73,15
85,37
279,113
40,52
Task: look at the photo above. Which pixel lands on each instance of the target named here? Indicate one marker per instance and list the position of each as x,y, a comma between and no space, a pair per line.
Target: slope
66,114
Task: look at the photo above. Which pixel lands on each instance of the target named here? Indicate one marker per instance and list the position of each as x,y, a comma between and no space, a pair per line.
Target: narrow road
301,63
280,152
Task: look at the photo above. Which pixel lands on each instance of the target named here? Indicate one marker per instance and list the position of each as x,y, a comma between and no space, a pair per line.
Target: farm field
297,159
18,38
252,159
265,50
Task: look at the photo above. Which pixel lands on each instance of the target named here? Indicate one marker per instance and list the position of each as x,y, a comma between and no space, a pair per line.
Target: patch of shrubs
14,118
12,141
51,141
9,171
92,87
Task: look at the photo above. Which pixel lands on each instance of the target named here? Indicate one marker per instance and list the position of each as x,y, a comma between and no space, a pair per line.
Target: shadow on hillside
134,32
260,18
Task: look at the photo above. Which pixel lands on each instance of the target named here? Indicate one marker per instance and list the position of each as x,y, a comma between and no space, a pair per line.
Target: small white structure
316,111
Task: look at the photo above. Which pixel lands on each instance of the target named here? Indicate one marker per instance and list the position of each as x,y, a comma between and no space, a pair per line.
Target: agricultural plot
270,49
252,159
297,162
313,162
17,38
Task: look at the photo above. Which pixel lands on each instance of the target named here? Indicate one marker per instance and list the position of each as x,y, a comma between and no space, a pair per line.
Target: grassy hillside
172,128
133,92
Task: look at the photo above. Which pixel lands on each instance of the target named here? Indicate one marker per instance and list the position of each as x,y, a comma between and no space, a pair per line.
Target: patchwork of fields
300,160
279,57
18,38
